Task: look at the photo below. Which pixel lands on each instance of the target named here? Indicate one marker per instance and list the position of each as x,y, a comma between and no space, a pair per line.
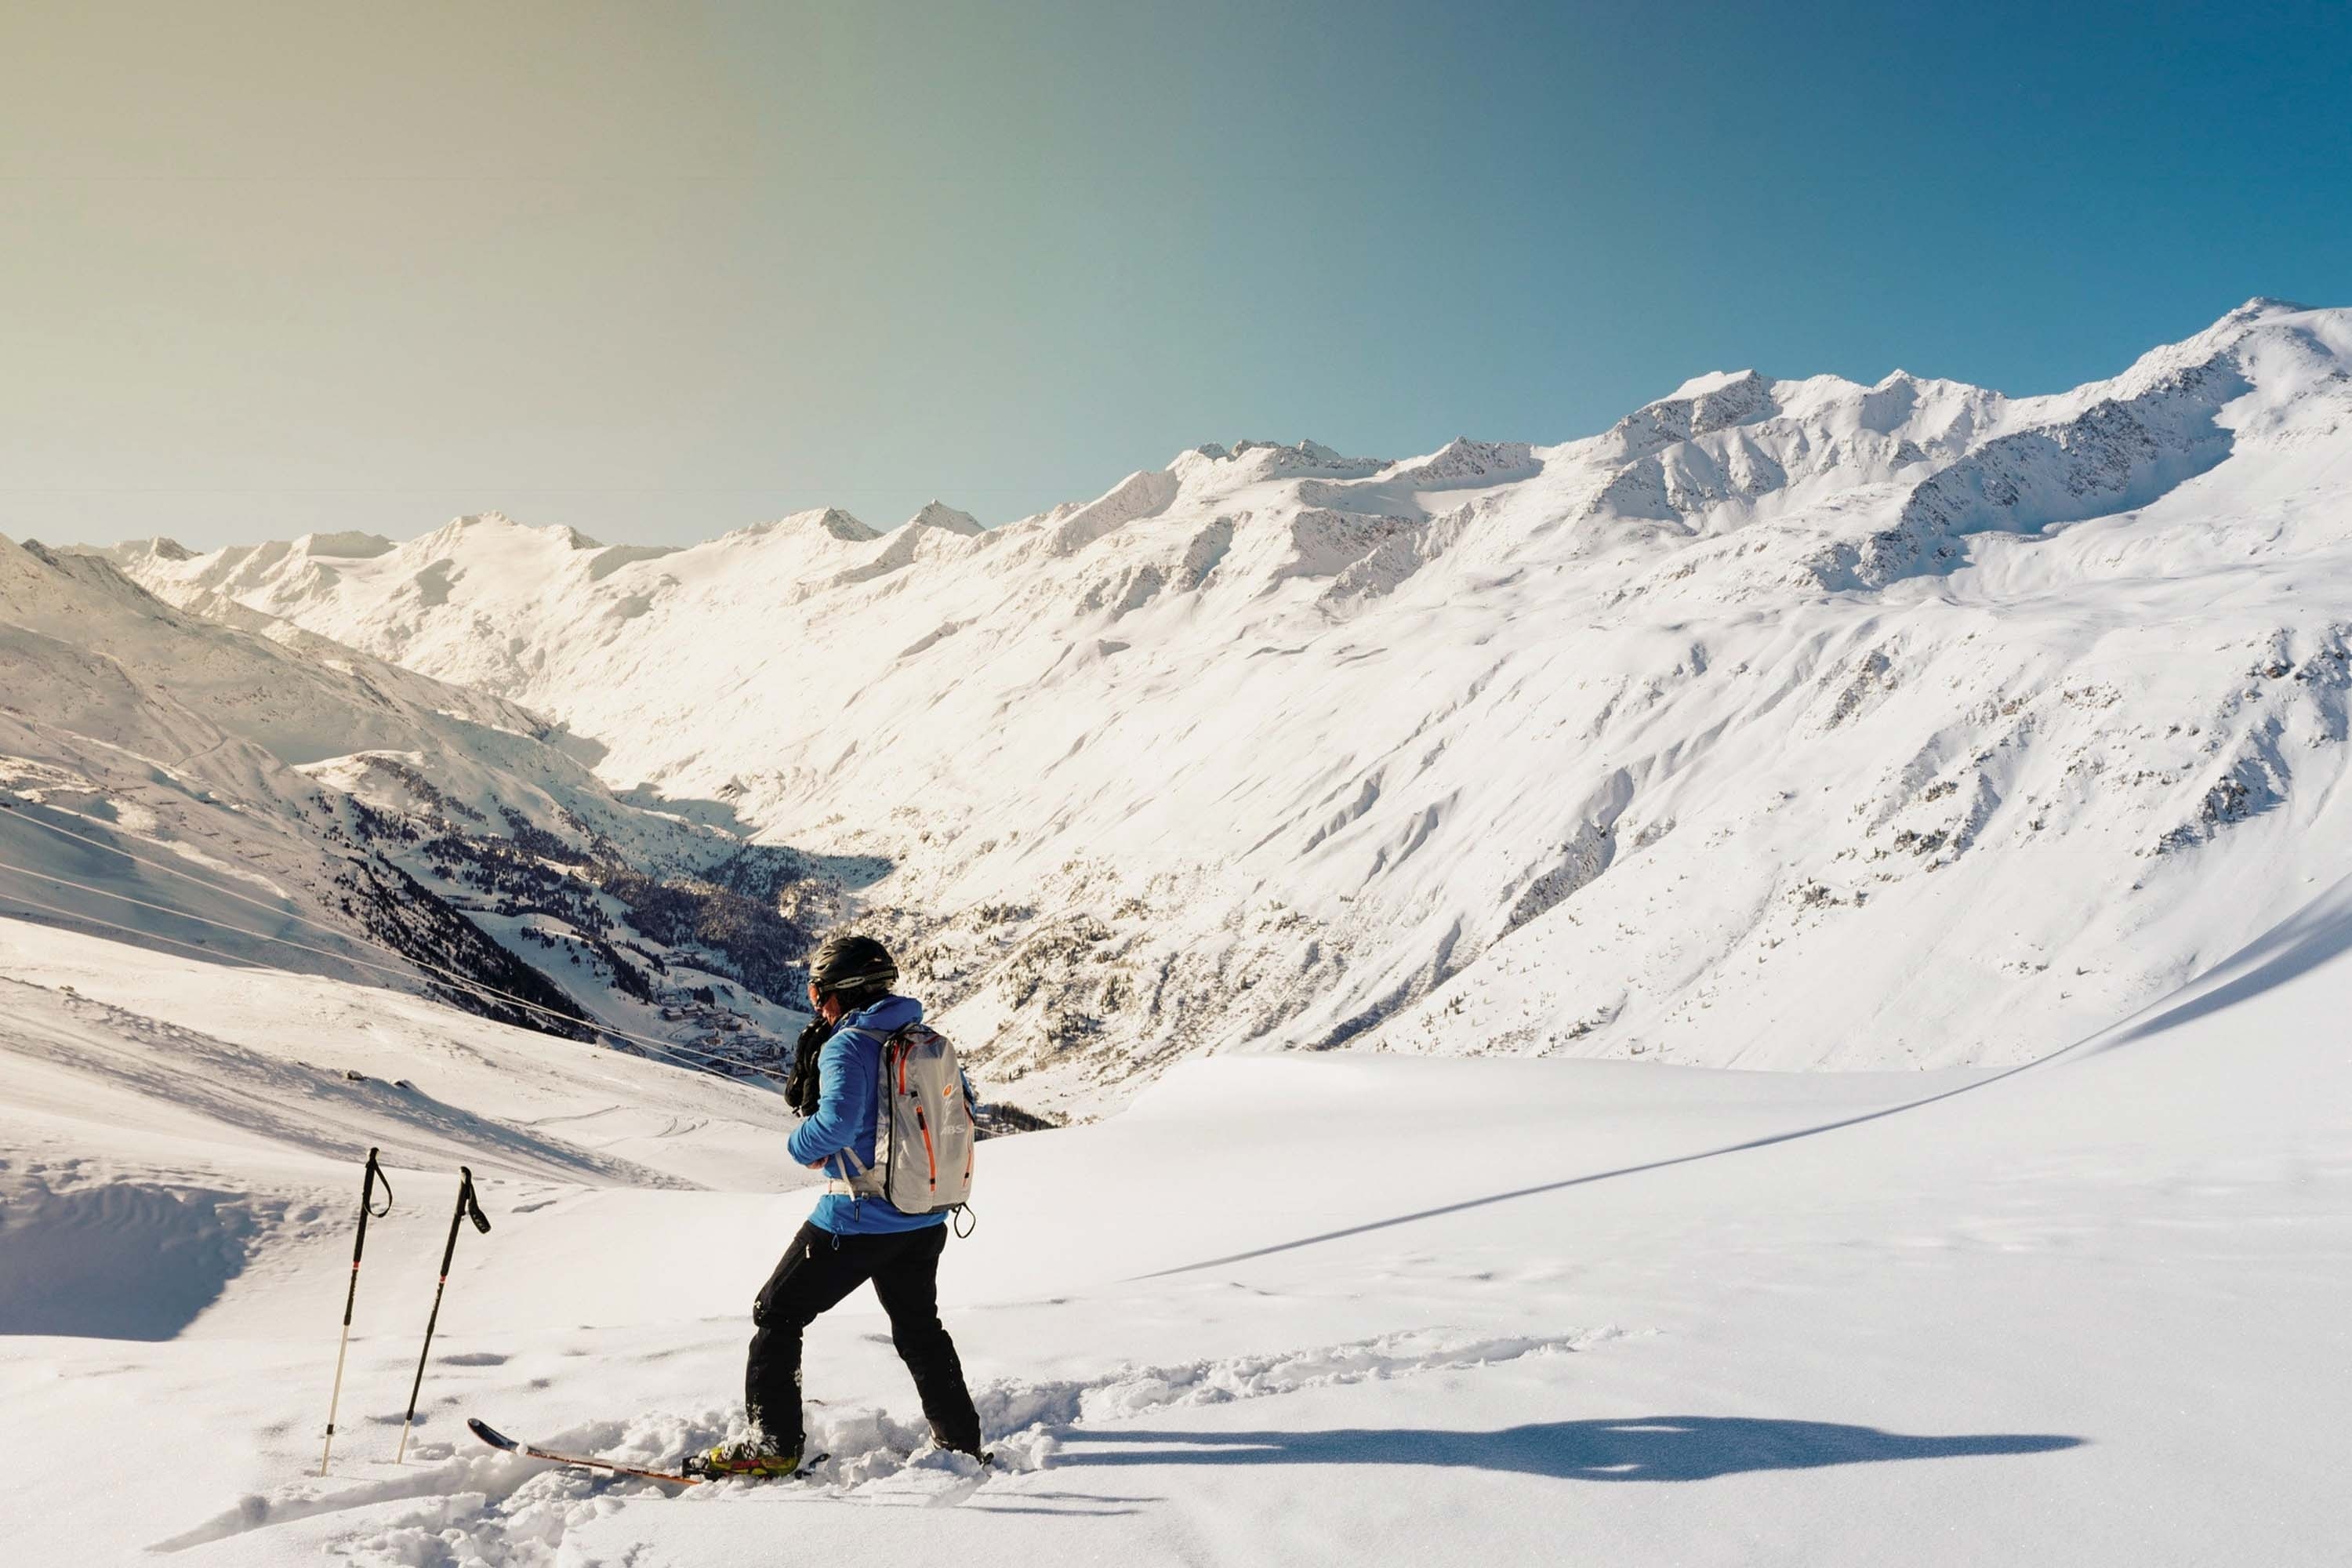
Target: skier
849,1238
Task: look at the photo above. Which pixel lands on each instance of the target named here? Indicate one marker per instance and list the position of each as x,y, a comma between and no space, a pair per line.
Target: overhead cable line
451,979
456,977
441,975
83,917
358,940
87,919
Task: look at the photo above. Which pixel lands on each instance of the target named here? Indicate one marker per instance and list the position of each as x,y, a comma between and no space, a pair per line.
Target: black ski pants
818,1270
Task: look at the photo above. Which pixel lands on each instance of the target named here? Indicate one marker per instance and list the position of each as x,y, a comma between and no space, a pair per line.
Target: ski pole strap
469,1202
468,1208
368,1181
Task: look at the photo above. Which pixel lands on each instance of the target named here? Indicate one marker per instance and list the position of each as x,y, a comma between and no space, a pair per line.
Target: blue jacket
847,1070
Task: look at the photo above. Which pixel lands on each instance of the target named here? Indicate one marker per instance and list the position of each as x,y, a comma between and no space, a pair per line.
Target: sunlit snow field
1391,864
1335,1308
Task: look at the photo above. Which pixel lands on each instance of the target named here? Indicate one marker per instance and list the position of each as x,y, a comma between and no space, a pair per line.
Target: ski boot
973,1450
755,1458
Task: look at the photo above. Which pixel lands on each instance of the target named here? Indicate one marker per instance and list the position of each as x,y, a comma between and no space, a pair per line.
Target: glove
801,1083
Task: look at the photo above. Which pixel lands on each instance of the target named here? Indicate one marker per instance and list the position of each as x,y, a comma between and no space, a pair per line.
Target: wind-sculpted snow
120,1260
1794,723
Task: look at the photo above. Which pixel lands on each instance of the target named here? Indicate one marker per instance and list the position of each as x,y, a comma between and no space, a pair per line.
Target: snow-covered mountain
1784,723
230,784
1787,723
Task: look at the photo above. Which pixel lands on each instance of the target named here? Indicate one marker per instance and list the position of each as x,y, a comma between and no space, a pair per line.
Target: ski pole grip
473,1204
368,1179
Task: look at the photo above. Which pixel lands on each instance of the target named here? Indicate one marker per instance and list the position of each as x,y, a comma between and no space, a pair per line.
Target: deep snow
1341,1307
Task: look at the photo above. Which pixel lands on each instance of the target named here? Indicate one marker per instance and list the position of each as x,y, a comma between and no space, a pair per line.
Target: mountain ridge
1276,746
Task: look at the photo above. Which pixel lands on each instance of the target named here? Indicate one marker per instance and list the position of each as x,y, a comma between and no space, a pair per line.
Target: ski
498,1439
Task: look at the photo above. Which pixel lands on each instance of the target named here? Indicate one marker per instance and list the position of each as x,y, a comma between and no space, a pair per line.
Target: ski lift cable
666,1047
267,907
186,876
453,980
449,976
87,919
287,942
454,984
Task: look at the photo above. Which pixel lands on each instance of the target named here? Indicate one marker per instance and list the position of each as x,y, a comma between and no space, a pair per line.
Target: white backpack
923,1128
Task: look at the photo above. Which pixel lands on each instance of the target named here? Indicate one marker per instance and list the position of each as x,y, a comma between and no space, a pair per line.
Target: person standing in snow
849,1239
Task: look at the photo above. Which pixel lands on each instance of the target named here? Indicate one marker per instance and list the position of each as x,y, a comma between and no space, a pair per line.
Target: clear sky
661,270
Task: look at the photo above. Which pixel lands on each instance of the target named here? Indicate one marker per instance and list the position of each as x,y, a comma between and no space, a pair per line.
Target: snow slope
1317,1308
1786,723
228,783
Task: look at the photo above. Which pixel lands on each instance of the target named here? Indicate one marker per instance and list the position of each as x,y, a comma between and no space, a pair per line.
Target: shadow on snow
1647,1448
2316,933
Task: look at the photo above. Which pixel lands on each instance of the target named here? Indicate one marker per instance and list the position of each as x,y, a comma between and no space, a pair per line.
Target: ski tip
490,1435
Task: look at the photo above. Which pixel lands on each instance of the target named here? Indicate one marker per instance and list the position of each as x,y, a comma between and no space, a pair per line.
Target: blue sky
657,272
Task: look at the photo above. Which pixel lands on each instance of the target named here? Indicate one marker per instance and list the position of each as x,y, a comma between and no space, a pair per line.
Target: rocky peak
939,514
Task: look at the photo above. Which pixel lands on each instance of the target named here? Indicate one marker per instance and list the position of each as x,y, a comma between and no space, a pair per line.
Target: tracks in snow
509,1512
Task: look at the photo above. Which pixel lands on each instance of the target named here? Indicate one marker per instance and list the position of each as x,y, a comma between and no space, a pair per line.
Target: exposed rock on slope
239,787
1787,723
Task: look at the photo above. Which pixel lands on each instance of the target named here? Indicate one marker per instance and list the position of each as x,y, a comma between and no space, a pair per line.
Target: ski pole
368,1179
467,1208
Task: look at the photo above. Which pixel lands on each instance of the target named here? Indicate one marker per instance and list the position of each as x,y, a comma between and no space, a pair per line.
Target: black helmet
853,967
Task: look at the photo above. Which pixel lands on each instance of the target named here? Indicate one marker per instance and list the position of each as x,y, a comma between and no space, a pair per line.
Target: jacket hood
885,1016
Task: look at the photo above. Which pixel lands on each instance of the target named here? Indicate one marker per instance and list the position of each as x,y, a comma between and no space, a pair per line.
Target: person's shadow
1645,1449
